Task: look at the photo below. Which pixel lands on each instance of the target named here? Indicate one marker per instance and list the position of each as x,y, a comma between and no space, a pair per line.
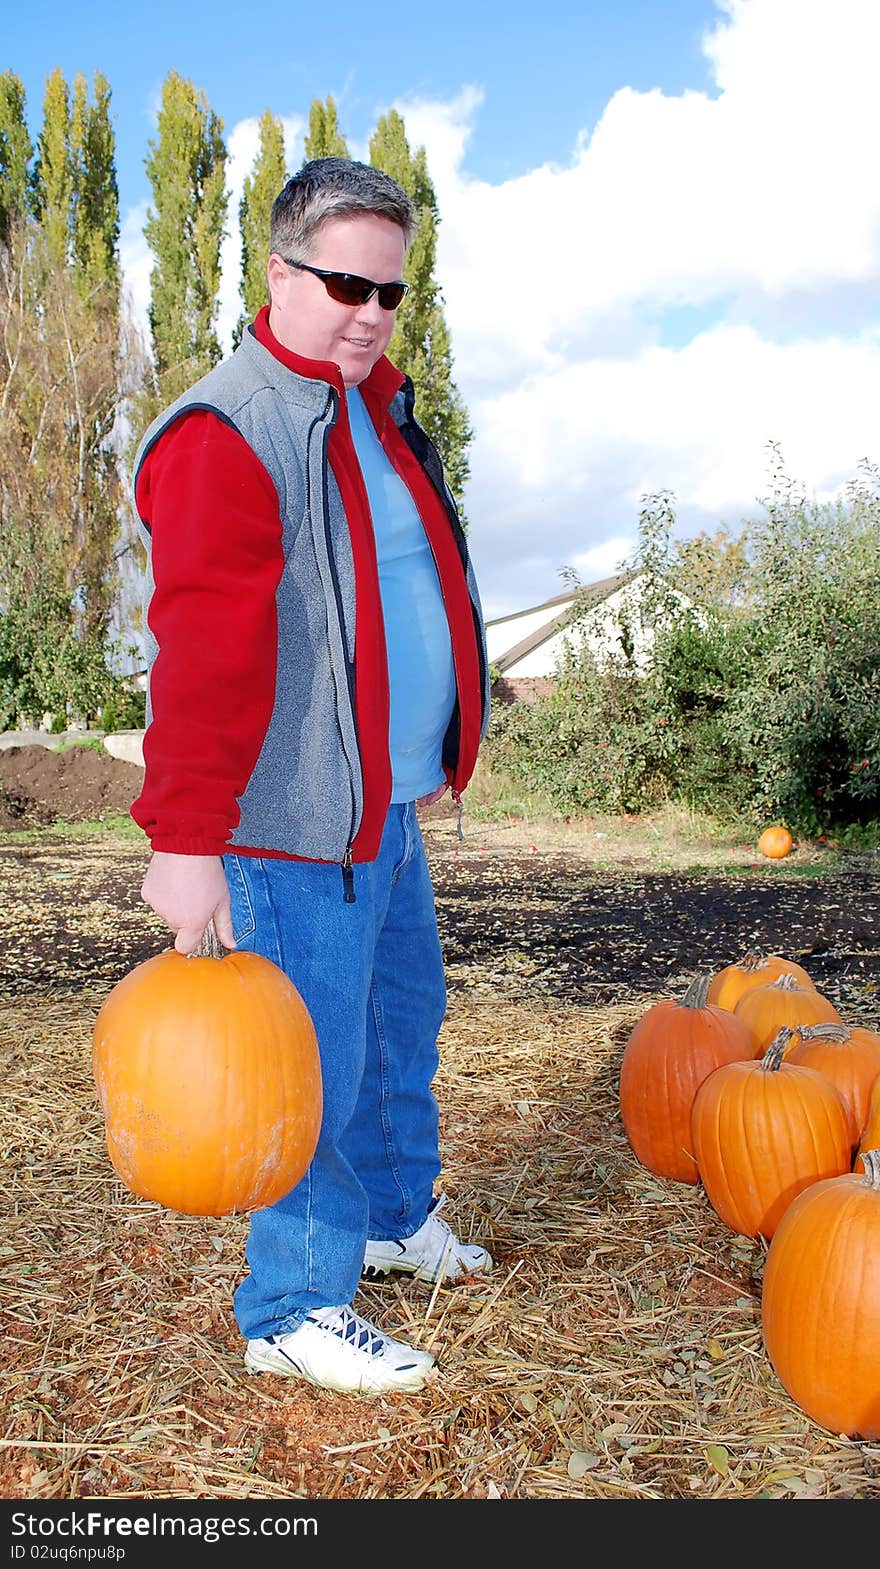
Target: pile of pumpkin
754,1086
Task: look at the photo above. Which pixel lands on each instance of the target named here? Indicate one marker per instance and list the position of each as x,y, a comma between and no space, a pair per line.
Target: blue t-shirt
420,670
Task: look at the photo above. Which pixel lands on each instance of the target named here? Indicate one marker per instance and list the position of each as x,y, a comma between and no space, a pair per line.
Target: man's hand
428,800
188,891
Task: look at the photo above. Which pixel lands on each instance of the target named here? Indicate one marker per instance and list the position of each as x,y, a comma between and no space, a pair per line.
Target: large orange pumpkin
764,1009
870,1139
209,1080
820,1302
728,985
672,1048
775,842
848,1056
762,1132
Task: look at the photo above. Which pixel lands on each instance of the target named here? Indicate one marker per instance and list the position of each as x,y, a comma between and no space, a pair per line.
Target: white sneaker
337,1349
432,1253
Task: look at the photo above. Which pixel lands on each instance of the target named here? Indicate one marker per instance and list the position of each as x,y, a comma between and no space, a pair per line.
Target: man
319,670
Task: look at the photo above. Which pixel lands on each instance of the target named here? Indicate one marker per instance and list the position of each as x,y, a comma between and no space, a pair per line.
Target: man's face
306,320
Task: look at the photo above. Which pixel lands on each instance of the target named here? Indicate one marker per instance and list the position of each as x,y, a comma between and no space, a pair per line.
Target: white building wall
503,635
600,631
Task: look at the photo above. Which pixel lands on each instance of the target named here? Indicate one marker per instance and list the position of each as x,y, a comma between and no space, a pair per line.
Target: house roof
559,611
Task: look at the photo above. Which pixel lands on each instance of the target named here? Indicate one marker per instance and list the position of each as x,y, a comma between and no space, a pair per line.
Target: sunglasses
348,289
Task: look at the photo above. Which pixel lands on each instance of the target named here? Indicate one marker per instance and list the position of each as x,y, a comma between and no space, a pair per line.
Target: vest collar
377,389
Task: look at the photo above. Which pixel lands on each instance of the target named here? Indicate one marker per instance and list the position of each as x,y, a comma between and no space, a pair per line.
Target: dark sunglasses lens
390,295
347,289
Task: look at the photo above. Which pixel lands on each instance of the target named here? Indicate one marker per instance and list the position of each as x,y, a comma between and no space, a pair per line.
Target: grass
115,825
494,794
93,742
673,836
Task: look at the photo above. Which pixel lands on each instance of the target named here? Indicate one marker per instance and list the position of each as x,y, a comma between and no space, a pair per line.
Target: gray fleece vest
305,795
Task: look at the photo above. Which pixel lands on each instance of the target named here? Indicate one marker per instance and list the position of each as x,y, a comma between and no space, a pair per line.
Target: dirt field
616,1349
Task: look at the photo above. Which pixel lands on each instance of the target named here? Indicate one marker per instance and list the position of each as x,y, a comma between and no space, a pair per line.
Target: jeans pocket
243,921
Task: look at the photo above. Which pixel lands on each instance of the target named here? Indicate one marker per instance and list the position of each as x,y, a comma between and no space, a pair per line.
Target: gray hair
329,188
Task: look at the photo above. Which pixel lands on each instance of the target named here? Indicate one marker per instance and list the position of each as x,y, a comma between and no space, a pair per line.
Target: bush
123,709
760,699
49,665
589,746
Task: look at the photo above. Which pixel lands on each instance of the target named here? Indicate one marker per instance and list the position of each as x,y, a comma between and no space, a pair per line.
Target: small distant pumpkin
775,842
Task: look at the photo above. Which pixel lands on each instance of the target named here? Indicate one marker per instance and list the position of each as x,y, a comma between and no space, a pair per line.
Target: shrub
759,694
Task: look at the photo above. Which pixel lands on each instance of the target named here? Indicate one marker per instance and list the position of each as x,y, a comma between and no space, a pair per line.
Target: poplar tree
66,359
95,237
324,138
16,153
184,228
53,175
254,213
421,344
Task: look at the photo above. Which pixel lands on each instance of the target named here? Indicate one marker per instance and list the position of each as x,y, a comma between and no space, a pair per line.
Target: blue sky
548,69
659,243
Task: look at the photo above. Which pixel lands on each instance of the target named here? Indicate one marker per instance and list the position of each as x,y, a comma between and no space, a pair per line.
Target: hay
615,1352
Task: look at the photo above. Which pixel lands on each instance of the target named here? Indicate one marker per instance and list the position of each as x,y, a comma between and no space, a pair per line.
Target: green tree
68,365
713,566
761,705
16,153
324,138
254,213
186,168
95,192
60,491
421,343
810,715
53,175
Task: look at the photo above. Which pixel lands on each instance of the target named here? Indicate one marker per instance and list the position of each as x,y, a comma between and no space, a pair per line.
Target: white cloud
136,261
746,203
563,460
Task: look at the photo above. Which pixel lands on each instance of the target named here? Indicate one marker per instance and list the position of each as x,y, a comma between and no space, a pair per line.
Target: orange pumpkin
849,1057
775,842
762,1132
764,1009
870,1139
209,1079
672,1048
820,1302
731,983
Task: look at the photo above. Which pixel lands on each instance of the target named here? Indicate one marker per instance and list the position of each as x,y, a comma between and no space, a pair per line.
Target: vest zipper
348,892
456,796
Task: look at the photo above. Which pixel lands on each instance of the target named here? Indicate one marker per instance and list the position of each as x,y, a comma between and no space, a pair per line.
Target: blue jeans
371,975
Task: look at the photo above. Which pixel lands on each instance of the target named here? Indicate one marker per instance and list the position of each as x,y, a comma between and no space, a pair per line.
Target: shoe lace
354,1331
444,1243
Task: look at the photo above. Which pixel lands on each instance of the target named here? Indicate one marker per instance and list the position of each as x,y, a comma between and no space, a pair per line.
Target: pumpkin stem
787,983
776,1050
872,1167
697,992
752,961
826,1031
210,946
